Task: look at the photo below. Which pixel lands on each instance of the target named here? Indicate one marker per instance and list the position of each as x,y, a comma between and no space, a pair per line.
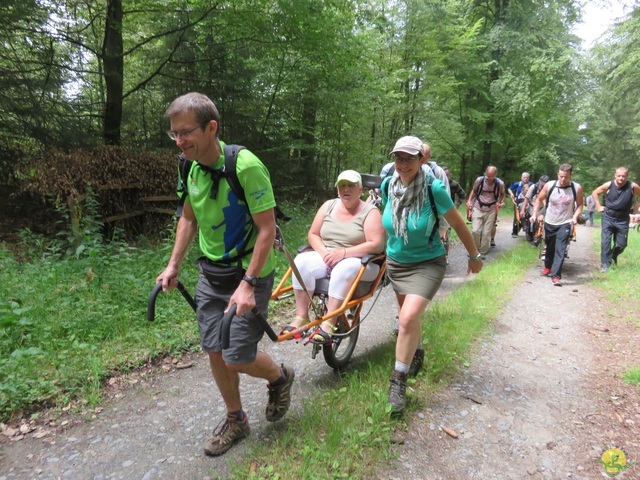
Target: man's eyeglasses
173,135
409,159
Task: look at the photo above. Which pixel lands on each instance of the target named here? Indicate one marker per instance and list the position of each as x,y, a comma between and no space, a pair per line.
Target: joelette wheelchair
338,352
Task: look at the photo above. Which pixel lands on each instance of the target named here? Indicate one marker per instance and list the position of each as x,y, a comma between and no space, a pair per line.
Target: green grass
346,430
622,287
70,320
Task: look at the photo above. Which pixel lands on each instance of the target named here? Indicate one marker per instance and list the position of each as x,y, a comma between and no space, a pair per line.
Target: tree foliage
313,87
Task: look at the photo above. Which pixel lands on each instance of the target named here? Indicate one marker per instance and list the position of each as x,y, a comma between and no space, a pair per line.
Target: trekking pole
151,306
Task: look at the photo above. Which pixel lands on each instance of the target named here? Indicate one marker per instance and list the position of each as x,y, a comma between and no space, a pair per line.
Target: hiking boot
416,362
545,272
396,326
493,242
397,391
280,396
556,282
226,434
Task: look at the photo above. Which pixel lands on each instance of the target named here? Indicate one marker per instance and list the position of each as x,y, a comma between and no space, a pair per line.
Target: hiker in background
590,213
564,205
615,215
438,171
415,255
344,230
455,189
515,192
486,198
523,213
529,202
238,263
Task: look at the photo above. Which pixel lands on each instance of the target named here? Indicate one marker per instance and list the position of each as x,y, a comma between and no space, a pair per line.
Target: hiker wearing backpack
485,199
432,169
564,204
455,189
515,192
416,261
615,215
236,238
529,202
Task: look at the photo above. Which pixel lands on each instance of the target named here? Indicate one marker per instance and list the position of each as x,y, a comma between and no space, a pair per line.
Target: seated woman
344,230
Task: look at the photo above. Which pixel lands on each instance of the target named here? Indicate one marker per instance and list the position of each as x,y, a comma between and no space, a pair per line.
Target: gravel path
528,380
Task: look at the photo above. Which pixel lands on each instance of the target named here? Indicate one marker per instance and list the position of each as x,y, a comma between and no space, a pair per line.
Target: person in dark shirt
456,189
615,215
515,192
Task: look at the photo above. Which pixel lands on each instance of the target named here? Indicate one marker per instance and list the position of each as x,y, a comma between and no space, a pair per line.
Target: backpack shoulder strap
391,171
184,167
478,188
229,171
432,201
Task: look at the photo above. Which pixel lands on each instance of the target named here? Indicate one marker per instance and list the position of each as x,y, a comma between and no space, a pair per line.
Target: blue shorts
245,331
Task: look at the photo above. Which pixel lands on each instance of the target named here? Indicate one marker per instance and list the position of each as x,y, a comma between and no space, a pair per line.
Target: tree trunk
113,60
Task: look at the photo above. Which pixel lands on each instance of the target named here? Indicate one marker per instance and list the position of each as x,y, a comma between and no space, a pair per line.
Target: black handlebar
229,316
226,319
151,307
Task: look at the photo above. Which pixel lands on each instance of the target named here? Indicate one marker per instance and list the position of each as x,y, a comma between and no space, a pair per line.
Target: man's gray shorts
245,332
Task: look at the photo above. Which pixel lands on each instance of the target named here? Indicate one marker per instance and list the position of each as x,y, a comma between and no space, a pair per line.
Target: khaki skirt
423,278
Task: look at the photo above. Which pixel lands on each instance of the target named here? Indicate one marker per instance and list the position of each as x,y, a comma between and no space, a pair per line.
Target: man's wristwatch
251,280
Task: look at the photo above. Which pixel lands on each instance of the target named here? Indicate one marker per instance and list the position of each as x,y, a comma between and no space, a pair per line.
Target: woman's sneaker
280,396
226,434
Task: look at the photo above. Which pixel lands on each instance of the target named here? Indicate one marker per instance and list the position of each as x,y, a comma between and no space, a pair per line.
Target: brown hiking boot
397,391
280,396
226,434
416,362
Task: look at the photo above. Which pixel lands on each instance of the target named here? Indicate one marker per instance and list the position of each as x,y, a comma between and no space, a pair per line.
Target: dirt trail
543,411
541,398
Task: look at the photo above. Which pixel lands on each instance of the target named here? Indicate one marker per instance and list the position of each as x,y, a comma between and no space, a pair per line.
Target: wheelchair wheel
338,353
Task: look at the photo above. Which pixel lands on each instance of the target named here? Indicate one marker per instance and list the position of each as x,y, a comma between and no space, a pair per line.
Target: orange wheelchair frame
338,352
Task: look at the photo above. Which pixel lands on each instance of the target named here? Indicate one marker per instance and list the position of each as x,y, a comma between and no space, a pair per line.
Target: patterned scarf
406,201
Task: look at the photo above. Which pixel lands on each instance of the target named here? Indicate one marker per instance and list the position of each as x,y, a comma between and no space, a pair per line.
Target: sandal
291,328
320,337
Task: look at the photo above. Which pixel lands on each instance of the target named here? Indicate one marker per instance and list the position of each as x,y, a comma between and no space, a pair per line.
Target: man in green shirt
232,235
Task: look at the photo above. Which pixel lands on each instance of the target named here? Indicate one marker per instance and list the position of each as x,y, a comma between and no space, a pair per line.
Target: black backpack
573,189
478,190
228,172
432,200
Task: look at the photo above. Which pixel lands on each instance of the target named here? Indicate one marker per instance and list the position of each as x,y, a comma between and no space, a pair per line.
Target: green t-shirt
416,250
225,223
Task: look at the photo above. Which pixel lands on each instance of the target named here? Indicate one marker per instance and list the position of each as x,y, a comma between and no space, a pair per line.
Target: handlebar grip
151,306
228,318
226,325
